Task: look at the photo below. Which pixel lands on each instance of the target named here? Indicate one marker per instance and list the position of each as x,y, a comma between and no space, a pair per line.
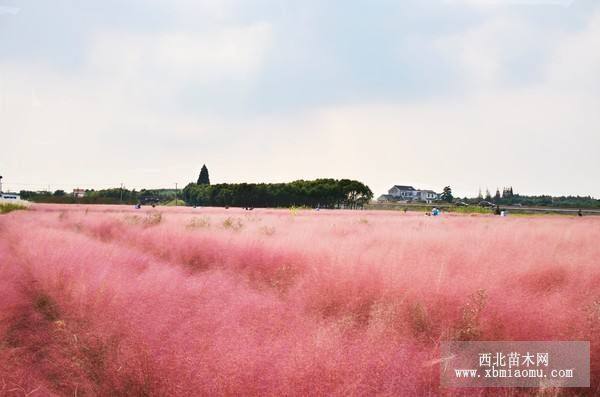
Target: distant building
409,193
402,192
78,193
7,195
428,195
10,196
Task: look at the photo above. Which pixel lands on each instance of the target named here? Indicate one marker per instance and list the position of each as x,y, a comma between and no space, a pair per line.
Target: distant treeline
326,193
323,193
104,196
545,201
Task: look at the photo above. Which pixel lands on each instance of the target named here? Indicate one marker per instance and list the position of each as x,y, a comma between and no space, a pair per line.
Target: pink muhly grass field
114,301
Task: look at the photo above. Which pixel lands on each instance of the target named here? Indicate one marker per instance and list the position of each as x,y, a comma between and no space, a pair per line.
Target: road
551,209
513,209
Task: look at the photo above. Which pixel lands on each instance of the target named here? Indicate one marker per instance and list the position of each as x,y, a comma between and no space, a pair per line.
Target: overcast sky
467,93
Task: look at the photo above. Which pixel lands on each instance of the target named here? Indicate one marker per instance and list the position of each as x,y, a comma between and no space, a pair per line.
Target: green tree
355,193
324,193
203,178
488,196
497,195
447,195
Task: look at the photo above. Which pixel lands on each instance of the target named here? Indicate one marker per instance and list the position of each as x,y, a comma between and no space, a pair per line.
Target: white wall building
78,193
6,196
10,196
409,193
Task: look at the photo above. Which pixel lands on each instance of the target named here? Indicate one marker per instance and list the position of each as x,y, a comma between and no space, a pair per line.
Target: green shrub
8,207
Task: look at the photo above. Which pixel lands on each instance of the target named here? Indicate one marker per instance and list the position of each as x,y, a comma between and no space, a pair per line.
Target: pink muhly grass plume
109,300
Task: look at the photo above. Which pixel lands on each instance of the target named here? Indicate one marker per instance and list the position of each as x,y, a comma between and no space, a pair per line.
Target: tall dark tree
507,192
447,195
203,179
497,195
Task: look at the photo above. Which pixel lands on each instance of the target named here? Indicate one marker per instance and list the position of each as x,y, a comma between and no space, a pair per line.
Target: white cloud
575,65
489,54
232,53
8,10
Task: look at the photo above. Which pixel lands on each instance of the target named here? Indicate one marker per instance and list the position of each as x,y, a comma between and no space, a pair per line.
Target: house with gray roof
409,193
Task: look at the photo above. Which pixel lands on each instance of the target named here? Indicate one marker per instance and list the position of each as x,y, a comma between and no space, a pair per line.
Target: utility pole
176,195
121,200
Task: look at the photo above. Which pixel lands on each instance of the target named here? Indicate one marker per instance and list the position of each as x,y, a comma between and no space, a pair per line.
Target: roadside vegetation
9,207
173,203
444,207
102,196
